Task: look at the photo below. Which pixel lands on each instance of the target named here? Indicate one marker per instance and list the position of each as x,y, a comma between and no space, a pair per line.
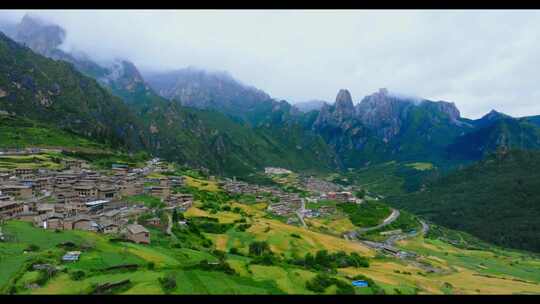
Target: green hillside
19,132
496,199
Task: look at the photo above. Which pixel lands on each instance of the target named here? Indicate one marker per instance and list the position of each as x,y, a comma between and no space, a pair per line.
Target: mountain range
209,119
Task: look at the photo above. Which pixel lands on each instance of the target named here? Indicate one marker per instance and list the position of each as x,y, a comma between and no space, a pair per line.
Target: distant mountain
496,130
496,199
215,91
140,119
386,127
310,105
40,36
170,109
53,91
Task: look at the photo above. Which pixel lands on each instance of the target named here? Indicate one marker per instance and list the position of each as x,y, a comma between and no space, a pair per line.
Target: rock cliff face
383,113
121,76
215,91
338,115
41,37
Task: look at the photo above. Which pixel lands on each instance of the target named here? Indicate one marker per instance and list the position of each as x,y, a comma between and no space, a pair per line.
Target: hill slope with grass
496,199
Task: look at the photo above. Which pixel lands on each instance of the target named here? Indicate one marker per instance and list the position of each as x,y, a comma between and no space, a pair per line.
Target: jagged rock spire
344,106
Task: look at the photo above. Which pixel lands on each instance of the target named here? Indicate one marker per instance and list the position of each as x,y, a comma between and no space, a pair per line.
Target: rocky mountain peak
39,35
494,115
450,109
383,112
344,107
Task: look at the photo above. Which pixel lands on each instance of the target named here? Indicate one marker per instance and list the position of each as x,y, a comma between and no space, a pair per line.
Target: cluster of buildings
283,203
275,170
313,184
84,199
342,197
291,204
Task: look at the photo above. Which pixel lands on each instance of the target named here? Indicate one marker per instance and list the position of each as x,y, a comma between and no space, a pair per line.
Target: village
78,197
292,204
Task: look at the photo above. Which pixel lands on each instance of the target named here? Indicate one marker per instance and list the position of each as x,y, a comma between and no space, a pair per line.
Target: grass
19,132
202,184
420,166
148,200
501,271
367,214
334,225
38,161
290,280
278,235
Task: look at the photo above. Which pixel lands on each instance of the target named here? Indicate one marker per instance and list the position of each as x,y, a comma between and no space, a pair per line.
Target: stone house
161,192
155,221
138,234
107,192
17,191
52,221
85,190
109,227
80,222
9,209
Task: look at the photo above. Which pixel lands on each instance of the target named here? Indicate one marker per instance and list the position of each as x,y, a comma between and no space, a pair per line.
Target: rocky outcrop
124,75
219,91
41,37
383,113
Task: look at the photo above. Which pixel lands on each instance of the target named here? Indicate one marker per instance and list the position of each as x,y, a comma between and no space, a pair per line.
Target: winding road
392,217
300,213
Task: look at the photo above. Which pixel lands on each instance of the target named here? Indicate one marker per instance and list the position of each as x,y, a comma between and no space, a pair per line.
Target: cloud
478,59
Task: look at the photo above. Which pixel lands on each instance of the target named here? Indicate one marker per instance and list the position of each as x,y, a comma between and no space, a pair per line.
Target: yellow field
279,238
239,267
220,240
61,284
257,210
464,281
338,225
420,166
155,175
224,217
202,184
196,212
152,255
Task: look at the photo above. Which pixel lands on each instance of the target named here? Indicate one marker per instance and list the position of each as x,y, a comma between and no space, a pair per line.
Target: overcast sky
481,60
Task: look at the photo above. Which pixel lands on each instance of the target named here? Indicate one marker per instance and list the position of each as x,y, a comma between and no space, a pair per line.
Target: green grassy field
367,214
148,200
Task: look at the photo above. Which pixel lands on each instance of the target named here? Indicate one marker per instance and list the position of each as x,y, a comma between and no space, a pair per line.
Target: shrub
258,248
168,282
32,248
77,275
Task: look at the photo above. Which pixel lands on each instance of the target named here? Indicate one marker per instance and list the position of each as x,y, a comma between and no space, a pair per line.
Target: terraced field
459,271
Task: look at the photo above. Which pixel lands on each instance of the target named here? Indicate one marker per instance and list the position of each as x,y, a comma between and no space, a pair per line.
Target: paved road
354,233
170,224
299,213
392,217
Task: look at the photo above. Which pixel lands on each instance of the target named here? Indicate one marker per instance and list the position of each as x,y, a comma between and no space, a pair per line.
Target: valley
115,180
